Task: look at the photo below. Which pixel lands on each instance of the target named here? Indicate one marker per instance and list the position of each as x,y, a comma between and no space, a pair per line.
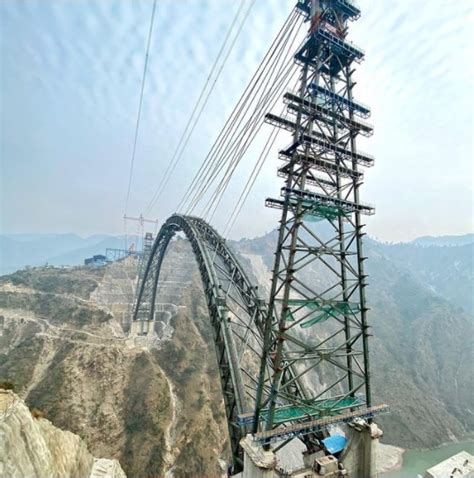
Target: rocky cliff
31,446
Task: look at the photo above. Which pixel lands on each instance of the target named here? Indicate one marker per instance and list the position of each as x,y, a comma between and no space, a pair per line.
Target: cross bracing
317,316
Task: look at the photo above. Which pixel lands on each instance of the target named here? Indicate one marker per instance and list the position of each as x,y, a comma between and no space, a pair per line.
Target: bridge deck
311,426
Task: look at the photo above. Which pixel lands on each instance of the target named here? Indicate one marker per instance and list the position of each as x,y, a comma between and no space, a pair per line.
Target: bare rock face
34,447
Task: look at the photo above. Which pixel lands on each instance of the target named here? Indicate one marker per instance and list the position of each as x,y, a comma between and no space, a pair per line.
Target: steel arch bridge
300,364
237,315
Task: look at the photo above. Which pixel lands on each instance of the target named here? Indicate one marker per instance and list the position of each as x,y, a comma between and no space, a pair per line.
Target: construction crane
141,220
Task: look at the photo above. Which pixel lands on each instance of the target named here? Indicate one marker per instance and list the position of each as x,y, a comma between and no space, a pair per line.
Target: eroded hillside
32,447
155,407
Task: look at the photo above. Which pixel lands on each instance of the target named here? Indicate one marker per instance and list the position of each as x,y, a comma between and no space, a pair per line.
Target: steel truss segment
336,55
318,139
237,314
322,95
322,110
347,8
318,425
235,308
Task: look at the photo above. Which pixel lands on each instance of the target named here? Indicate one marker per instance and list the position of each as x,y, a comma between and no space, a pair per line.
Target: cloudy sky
70,84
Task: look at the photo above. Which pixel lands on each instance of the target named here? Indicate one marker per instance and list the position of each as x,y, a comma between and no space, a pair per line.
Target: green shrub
7,385
37,413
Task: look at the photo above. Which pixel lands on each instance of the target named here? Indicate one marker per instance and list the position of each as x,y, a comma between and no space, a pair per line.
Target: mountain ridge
20,250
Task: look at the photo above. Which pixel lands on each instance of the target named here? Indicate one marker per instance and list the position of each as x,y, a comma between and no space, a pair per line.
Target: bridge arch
236,311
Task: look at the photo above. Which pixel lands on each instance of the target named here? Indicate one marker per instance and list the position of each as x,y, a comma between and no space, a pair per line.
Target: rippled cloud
71,81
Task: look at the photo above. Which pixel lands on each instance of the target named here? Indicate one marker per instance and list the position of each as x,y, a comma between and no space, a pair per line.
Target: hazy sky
70,83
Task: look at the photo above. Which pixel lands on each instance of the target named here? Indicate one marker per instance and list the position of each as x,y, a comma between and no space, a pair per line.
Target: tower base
357,460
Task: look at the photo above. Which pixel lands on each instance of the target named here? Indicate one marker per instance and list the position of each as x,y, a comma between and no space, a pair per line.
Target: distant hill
461,240
444,265
20,250
447,271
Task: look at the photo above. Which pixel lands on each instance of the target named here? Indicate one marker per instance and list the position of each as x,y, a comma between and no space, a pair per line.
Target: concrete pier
358,460
142,328
360,455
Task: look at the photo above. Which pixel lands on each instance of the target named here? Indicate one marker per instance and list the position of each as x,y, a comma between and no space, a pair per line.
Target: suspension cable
223,186
238,136
252,128
271,97
206,167
252,178
140,103
187,133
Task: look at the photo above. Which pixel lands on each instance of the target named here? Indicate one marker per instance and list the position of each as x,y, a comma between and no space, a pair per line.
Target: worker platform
347,7
318,164
315,204
318,139
324,94
349,451
327,106
338,53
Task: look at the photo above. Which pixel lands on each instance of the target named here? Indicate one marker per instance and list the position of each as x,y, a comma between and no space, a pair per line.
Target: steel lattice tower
316,330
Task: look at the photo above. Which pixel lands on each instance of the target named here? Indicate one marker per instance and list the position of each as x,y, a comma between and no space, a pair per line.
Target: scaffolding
319,140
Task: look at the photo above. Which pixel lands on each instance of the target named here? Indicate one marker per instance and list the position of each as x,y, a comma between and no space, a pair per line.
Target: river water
416,462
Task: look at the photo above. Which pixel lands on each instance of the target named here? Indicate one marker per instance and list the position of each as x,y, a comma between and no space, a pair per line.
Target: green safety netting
331,310
324,310
317,212
316,409
289,316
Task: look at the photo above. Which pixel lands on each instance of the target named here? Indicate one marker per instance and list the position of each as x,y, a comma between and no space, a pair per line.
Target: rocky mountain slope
445,271
422,319
32,447
155,405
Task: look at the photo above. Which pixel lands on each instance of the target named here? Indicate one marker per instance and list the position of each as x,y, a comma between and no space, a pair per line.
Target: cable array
273,75
140,103
274,132
202,100
255,127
